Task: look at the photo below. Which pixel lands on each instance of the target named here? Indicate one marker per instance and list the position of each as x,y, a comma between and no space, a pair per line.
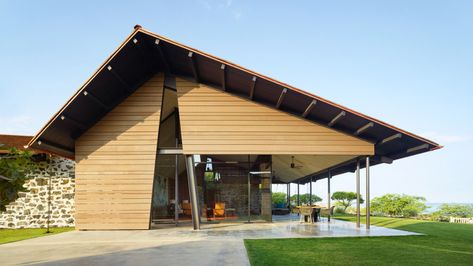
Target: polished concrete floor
214,244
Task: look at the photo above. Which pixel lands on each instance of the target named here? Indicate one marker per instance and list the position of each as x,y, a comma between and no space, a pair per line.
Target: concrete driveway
220,244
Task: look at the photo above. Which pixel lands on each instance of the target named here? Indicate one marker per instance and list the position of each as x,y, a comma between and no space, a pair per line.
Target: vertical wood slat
115,162
216,122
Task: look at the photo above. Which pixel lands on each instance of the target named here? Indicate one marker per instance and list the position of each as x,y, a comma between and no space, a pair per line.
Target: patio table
315,211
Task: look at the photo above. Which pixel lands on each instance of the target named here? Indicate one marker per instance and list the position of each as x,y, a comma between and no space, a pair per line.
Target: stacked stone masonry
30,210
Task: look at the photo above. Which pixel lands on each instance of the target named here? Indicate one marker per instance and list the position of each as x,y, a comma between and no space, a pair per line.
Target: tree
278,198
345,199
14,170
446,211
305,198
398,205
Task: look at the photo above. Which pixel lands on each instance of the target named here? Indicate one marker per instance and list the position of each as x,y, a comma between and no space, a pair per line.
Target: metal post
289,195
176,189
249,190
357,193
49,204
310,194
367,192
192,191
298,195
328,196
271,187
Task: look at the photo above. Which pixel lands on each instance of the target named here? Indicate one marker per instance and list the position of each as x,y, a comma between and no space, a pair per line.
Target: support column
328,197
298,195
193,191
358,193
176,190
367,192
310,192
288,195
249,198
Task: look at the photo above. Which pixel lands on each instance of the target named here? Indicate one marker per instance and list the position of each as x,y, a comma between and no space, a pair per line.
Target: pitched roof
144,53
15,141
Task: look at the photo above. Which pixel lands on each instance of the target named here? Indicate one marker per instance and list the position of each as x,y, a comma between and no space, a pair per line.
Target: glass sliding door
170,201
222,189
234,188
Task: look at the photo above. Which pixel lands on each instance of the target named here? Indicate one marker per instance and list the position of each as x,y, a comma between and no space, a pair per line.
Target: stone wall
30,210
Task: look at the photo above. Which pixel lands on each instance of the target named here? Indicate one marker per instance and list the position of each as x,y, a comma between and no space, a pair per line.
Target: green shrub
398,205
446,211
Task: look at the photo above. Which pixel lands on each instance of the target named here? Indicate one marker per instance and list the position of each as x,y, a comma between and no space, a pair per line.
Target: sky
408,63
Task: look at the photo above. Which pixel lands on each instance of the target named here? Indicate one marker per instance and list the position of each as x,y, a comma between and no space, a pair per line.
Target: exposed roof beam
140,46
73,121
363,128
164,61
309,108
253,85
336,118
281,98
54,146
193,66
170,82
125,84
417,148
382,159
96,100
224,83
390,138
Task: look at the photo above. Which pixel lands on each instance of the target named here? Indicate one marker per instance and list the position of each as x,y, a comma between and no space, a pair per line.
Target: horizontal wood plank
215,122
115,161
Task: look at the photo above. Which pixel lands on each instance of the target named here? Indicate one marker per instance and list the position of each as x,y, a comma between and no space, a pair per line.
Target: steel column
310,194
193,191
367,205
176,189
249,190
289,195
328,196
298,195
357,193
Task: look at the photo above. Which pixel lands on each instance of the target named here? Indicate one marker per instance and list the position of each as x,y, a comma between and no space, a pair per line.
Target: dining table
316,209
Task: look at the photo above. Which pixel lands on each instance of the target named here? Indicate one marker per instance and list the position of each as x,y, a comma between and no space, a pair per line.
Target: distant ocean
435,206
432,207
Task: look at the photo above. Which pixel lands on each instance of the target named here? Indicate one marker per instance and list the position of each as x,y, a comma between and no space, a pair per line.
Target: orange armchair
219,209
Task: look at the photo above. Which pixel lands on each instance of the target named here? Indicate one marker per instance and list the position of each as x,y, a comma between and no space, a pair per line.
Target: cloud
17,125
447,138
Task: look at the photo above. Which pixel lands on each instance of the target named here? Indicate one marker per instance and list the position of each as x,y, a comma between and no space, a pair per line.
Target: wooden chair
306,212
186,209
219,210
327,212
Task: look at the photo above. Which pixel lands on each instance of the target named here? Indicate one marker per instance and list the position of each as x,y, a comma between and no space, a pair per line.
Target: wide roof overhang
143,54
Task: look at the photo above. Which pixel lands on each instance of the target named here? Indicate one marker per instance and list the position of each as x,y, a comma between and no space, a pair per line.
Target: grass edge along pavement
441,244
13,235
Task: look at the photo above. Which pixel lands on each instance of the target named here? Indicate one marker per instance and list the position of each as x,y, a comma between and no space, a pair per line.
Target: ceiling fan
293,165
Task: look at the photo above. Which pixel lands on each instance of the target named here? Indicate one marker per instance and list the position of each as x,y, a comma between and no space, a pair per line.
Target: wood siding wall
215,122
115,162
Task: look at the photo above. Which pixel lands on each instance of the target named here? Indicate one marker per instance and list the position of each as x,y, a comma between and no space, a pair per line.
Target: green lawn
12,235
443,244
